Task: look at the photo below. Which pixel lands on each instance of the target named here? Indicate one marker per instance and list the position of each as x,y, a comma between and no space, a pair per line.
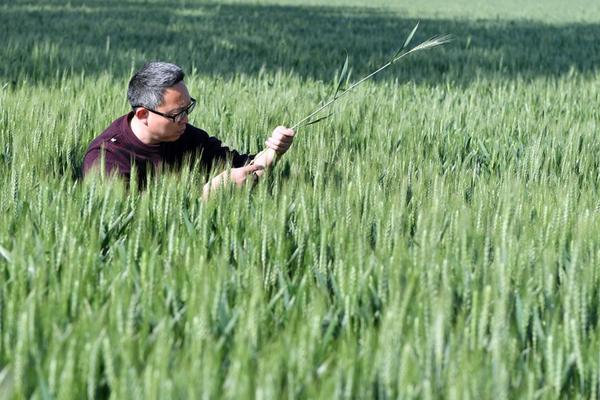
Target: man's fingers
273,143
276,145
242,174
283,138
282,131
248,169
256,171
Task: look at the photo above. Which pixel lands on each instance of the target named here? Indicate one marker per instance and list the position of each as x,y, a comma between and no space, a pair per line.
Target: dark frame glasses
177,117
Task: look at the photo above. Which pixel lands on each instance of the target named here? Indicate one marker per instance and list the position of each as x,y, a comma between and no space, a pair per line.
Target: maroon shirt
122,148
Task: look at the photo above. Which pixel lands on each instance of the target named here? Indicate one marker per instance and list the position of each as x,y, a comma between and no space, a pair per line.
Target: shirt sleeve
213,151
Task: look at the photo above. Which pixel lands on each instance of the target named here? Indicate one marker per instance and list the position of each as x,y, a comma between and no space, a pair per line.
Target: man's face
176,98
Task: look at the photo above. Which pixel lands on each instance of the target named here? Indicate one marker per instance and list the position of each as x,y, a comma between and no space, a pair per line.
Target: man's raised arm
277,144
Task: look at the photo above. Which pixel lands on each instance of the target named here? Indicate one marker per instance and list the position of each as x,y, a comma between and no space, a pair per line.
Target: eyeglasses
177,117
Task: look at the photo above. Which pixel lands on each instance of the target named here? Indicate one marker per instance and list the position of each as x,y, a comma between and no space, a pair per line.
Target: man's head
160,100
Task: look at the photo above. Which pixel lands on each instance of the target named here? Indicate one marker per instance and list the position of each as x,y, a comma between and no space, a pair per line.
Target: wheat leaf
314,121
341,77
409,38
406,42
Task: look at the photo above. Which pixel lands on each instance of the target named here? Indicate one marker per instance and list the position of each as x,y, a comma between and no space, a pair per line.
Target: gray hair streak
147,86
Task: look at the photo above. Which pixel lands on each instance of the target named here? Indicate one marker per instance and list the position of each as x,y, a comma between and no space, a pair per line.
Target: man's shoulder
108,144
112,134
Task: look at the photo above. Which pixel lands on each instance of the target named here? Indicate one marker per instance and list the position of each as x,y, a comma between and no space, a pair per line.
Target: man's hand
239,176
281,139
278,143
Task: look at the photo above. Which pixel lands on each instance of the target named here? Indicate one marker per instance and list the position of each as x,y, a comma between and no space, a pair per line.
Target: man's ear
142,115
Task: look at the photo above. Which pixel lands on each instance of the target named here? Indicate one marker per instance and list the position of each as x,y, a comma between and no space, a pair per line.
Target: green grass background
436,238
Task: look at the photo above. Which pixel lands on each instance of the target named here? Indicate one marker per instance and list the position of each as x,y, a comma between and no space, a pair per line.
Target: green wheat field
437,238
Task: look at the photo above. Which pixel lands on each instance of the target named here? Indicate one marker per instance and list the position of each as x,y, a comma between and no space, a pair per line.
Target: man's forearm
236,175
215,183
265,159
260,163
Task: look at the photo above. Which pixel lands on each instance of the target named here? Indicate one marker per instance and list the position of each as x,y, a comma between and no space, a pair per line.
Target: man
156,134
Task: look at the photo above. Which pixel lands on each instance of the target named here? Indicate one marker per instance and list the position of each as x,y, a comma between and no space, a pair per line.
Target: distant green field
437,237
549,11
